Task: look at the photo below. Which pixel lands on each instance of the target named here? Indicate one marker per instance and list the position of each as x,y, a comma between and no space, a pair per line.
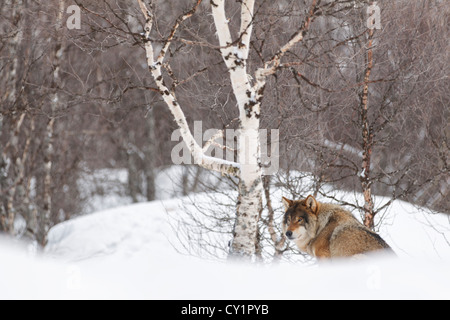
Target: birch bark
367,140
250,187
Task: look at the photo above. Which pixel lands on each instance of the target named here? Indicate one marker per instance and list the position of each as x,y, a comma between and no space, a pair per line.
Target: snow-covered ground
131,252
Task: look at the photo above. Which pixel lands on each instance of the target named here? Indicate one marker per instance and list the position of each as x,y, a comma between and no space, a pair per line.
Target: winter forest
180,124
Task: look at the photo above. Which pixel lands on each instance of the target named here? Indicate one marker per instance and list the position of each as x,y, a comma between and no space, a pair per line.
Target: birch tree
55,104
367,139
249,96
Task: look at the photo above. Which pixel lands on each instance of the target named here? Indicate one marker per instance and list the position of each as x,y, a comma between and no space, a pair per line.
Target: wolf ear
312,204
287,203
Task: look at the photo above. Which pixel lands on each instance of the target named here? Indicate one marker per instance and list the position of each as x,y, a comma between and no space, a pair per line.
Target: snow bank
415,233
130,253
25,276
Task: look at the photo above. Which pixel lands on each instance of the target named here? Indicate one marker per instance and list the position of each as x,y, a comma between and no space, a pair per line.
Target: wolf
328,231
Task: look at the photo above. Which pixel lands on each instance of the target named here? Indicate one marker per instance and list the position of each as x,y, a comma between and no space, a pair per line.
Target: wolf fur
326,230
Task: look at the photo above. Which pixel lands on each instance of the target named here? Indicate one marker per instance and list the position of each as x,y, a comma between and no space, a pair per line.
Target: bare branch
215,164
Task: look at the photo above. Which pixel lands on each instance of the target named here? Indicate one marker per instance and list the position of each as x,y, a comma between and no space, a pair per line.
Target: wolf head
300,221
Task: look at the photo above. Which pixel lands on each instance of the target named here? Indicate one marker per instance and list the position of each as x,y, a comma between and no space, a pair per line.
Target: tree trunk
367,140
7,188
250,187
150,154
134,178
278,241
13,171
55,104
3,182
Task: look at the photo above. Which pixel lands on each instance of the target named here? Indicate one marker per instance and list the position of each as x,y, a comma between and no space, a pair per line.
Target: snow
133,252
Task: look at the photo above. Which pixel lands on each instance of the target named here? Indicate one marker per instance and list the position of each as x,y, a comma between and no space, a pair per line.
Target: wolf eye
300,220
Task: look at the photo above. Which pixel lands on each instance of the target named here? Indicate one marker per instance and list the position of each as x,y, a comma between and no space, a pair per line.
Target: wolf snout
289,235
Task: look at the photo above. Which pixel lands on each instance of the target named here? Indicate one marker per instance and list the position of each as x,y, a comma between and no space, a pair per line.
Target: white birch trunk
19,172
367,143
250,187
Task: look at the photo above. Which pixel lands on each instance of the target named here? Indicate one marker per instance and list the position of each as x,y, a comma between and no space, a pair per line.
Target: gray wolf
326,230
